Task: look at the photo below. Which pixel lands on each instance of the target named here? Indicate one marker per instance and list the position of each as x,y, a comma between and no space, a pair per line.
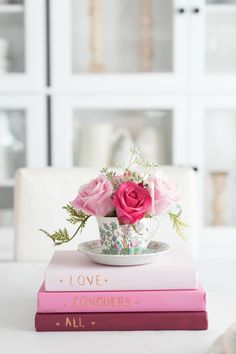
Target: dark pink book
125,321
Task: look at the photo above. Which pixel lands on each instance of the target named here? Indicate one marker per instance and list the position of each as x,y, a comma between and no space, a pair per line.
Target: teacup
126,239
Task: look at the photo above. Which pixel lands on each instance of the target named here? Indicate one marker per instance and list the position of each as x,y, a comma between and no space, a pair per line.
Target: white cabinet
22,45
22,143
155,74
213,46
143,46
150,73
97,131
119,46
22,103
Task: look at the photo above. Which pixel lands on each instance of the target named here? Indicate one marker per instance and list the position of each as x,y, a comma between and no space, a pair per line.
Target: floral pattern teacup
126,239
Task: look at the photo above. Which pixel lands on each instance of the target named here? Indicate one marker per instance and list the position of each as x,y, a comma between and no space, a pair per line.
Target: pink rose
94,198
165,193
132,201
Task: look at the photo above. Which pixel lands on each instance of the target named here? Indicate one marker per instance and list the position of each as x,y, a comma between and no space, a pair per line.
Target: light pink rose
164,193
132,201
94,198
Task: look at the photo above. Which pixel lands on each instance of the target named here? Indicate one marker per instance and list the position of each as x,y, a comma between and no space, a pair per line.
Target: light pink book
72,271
122,301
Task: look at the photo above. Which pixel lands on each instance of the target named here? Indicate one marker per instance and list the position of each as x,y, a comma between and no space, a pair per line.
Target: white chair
41,193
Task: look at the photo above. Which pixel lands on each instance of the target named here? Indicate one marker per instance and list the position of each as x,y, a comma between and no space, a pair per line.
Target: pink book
72,271
121,301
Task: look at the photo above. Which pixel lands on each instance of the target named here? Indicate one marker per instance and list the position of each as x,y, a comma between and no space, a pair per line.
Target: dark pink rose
94,198
132,201
164,194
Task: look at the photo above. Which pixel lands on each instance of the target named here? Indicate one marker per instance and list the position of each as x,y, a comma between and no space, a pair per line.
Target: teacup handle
157,228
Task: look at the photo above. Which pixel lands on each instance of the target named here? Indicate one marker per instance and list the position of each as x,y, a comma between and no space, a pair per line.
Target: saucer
93,250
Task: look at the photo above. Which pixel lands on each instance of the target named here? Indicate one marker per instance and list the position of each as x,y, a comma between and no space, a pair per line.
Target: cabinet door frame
199,104
62,125
63,80
35,120
200,80
34,76
36,151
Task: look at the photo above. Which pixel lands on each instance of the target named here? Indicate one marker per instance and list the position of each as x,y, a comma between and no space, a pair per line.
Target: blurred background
82,81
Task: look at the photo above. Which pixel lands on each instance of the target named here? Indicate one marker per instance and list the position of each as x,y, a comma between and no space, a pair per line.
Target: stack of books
79,295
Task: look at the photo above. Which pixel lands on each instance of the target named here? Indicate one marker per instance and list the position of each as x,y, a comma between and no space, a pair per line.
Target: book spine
121,321
121,301
123,280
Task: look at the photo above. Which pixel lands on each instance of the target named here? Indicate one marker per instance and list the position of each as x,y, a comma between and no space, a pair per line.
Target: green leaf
62,235
178,223
75,216
58,237
109,174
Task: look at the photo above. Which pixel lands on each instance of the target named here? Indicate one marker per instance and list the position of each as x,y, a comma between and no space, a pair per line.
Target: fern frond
62,235
75,216
58,237
178,224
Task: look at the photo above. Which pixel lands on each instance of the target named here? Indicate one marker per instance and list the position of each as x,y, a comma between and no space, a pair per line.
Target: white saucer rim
121,255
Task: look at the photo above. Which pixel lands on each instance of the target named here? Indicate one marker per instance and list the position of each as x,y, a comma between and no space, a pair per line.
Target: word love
86,280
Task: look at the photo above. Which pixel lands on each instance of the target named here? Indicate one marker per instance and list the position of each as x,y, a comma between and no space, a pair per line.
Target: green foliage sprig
75,216
178,223
128,173
109,174
136,159
62,235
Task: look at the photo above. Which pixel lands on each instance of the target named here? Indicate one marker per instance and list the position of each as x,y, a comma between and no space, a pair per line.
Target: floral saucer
93,250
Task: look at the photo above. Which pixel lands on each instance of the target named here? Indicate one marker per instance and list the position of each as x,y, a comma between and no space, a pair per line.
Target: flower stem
77,230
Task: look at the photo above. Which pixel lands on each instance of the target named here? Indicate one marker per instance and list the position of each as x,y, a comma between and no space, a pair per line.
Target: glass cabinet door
22,132
6,221
22,144
21,44
110,36
102,40
214,150
12,142
12,34
105,137
101,134
213,45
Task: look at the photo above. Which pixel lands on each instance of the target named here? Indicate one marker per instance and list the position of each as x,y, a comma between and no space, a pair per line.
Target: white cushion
41,193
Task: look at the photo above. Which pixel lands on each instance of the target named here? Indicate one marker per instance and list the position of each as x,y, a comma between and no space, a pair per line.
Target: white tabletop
18,287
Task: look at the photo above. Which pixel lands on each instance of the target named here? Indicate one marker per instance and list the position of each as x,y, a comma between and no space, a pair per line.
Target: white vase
94,145
148,144
122,143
